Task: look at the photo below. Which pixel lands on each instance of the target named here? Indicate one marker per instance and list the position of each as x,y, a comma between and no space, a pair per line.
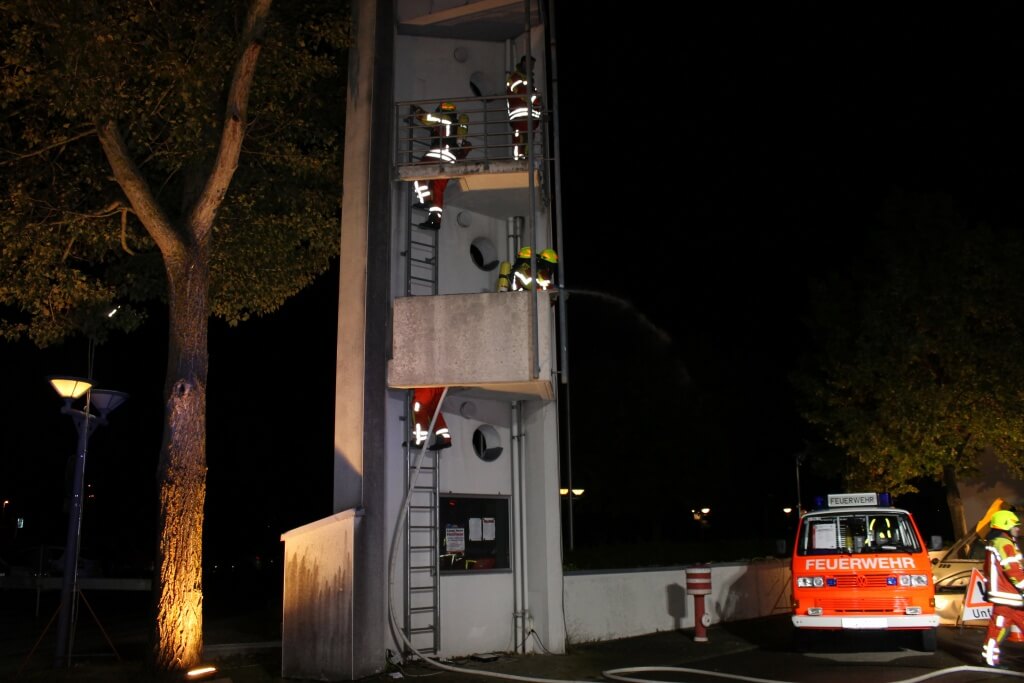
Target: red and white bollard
698,584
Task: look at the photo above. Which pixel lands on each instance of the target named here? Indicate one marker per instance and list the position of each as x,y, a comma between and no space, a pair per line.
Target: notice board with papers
474,532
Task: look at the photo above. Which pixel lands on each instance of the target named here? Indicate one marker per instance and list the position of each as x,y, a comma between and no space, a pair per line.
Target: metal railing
489,134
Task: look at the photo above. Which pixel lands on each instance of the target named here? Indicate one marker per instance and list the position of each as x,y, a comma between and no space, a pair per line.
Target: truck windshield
857,532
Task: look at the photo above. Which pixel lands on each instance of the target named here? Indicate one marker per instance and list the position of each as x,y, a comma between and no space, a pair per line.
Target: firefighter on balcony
547,269
424,403
1004,577
449,142
524,106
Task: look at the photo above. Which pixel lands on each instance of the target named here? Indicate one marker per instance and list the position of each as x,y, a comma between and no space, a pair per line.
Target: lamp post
799,458
105,401
570,494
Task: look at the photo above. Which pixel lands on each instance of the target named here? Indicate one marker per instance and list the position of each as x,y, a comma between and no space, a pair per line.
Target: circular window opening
483,253
486,443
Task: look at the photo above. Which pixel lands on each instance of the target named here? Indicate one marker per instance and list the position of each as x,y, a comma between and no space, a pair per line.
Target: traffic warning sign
976,608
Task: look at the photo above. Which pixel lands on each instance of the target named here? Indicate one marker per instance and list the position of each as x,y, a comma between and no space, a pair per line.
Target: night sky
724,155
713,159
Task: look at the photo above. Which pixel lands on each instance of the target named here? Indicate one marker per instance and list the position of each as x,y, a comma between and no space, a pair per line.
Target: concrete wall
319,585
482,340
610,605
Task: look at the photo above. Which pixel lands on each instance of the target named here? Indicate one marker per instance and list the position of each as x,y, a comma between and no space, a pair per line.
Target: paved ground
241,662
246,649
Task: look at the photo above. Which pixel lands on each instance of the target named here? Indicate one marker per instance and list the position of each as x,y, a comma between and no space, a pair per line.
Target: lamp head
107,400
69,388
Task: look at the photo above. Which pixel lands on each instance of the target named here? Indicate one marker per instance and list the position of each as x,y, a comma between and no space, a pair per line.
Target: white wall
610,605
476,613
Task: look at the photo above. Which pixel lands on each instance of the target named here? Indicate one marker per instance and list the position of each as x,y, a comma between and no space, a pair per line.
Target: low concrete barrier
606,605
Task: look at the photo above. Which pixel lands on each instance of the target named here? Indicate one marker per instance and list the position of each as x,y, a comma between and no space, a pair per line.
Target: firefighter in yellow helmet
547,269
881,529
449,142
1004,577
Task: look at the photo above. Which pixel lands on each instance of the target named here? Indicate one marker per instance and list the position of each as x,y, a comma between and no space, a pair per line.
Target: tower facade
446,535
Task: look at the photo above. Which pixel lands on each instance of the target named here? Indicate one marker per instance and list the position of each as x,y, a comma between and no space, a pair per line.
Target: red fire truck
860,563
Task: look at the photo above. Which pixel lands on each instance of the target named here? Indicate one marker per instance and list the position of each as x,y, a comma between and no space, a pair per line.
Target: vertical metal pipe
69,586
521,564
513,461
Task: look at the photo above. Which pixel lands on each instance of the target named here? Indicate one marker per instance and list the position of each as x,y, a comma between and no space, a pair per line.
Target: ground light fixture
200,672
86,421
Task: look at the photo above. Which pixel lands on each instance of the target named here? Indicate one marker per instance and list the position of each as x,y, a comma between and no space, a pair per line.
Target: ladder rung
424,629
421,279
421,610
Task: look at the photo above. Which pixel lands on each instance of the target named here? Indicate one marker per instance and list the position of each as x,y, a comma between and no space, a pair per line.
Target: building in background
453,551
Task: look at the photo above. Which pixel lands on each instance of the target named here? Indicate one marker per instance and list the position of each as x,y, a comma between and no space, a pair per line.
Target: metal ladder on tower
422,575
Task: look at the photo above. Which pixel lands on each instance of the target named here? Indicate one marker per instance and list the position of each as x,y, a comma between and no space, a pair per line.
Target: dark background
722,157
713,159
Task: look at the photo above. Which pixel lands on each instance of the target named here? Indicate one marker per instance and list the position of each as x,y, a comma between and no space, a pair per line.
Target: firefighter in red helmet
424,403
449,142
524,106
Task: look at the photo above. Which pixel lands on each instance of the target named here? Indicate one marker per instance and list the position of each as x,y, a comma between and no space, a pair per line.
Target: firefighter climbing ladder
422,578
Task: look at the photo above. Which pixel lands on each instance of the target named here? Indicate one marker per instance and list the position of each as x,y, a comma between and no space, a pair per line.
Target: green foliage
70,245
919,348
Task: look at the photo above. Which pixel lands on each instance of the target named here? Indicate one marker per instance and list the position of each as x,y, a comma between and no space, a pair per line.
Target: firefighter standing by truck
1004,576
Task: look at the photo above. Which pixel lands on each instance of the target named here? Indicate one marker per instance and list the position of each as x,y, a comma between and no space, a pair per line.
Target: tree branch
212,195
60,143
137,190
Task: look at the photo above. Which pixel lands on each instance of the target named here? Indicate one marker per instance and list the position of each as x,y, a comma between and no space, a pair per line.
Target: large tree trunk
178,589
954,501
185,248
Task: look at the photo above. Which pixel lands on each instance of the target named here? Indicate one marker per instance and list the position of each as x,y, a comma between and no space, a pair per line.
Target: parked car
951,570
951,573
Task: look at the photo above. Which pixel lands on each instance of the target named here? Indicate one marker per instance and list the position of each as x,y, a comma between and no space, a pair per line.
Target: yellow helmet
525,252
446,106
549,255
1005,520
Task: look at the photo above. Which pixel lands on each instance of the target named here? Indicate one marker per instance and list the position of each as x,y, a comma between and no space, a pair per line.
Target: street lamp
570,494
105,401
